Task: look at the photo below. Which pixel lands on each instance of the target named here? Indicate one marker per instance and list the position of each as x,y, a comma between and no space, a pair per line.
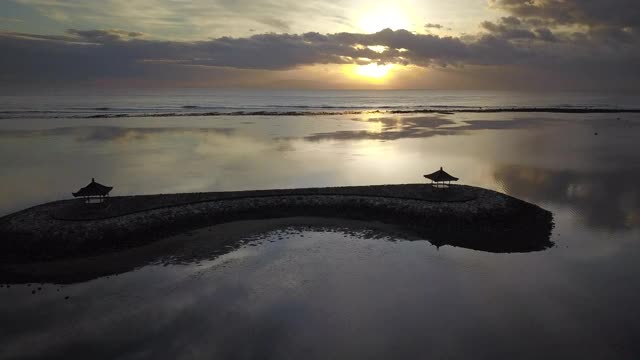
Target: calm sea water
61,103
336,293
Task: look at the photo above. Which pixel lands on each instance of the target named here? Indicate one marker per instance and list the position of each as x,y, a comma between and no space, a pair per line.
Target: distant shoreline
463,216
376,111
107,113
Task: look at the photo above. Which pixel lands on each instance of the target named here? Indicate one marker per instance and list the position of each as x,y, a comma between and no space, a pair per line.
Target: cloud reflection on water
395,128
581,170
554,160
110,133
302,294
607,200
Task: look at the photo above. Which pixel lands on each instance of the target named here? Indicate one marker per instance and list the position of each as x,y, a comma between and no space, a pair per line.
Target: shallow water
336,293
348,292
556,158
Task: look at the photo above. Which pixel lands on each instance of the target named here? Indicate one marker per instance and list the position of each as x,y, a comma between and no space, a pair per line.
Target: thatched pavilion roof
93,189
440,176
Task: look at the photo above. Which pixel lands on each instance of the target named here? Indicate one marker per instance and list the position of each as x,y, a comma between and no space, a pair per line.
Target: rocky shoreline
462,216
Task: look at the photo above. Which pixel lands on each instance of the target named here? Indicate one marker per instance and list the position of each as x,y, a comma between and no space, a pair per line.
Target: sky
342,44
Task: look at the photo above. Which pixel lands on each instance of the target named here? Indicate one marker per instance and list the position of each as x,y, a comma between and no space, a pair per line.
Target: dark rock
462,216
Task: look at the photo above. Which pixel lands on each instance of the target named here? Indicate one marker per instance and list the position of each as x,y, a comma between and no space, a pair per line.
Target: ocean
163,141
334,292
194,102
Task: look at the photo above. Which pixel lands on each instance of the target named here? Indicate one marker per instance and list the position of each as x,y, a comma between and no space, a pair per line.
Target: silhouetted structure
440,178
94,192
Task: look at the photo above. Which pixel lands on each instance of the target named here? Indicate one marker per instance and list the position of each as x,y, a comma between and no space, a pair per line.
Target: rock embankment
461,216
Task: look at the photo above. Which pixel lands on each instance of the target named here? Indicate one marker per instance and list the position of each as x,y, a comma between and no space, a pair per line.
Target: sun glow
383,17
373,71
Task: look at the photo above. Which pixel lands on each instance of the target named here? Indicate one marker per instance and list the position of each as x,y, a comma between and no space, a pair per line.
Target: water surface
336,292
343,292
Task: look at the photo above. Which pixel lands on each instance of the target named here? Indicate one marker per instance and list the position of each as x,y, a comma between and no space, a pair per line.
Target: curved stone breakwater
462,216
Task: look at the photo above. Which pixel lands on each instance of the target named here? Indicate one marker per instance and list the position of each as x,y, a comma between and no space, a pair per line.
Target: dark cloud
275,23
585,43
545,35
91,55
511,21
433,26
618,13
101,36
512,28
506,32
606,31
106,52
607,23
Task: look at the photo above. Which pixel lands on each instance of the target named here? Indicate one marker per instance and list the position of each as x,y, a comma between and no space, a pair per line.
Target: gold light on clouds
373,71
383,16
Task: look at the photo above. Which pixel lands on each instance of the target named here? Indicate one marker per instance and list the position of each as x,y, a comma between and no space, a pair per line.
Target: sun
373,71
383,17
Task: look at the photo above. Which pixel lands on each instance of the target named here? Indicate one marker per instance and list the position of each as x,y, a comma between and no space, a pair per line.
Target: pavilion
94,192
440,178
